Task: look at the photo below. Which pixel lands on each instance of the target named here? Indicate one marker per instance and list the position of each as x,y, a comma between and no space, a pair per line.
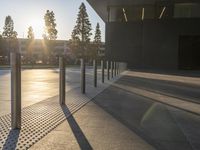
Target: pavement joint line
130,90
38,121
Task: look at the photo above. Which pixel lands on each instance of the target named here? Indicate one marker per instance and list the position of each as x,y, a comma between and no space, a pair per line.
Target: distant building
101,51
162,34
39,50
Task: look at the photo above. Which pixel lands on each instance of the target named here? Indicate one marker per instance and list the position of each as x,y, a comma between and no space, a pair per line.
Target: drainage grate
41,118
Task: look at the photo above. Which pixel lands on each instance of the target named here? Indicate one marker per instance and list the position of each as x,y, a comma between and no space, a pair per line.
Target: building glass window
160,10
187,10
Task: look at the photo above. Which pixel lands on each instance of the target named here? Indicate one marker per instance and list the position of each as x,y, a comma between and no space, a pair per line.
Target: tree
30,35
50,35
81,33
97,36
50,25
11,42
97,41
96,44
9,32
1,46
1,51
30,43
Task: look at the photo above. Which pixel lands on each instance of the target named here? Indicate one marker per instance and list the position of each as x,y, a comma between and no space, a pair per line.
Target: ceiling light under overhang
125,16
162,12
142,13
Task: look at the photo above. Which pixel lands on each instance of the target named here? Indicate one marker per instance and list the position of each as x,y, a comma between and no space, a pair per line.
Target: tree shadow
12,139
78,133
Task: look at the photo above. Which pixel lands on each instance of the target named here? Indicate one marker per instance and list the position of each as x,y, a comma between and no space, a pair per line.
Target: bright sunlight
37,25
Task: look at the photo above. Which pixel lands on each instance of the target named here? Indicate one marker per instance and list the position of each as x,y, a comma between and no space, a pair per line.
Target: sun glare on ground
37,25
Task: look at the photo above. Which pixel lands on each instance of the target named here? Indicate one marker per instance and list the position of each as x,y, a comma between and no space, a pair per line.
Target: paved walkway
41,118
89,128
122,115
39,85
175,92
126,116
171,101
92,128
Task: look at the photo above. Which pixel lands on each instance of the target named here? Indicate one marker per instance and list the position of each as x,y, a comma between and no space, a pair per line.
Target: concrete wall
148,44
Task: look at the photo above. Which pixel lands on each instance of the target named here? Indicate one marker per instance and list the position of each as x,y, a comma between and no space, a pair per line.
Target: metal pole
115,68
112,66
62,81
102,71
108,70
95,72
119,68
83,76
15,62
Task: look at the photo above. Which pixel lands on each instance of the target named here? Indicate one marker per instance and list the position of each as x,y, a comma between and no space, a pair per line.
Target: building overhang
101,6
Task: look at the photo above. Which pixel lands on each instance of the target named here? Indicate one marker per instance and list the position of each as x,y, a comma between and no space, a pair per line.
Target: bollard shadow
11,140
78,133
154,122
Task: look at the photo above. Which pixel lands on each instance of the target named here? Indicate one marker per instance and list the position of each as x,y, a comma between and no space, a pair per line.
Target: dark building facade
157,34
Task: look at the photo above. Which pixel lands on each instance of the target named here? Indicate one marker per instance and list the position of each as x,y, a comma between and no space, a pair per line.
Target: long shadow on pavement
11,141
78,133
158,124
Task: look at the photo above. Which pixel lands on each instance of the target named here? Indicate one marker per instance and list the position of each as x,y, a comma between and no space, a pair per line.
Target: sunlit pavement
141,111
41,118
113,117
38,85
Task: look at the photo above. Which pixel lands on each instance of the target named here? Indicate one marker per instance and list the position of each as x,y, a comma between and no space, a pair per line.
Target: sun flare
38,26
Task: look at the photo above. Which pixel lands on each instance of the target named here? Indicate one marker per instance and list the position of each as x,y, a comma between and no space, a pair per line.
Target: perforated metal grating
41,118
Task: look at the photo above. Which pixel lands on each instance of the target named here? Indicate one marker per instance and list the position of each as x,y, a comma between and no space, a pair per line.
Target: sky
27,13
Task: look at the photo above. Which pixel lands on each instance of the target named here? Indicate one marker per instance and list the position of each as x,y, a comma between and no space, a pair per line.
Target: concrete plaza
139,110
38,85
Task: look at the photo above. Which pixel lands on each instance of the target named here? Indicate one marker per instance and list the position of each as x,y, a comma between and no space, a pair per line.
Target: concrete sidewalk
41,118
167,122
177,91
168,100
124,117
120,116
92,128
127,117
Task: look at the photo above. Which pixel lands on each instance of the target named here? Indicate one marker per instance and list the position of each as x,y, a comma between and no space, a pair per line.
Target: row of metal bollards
16,83
114,66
